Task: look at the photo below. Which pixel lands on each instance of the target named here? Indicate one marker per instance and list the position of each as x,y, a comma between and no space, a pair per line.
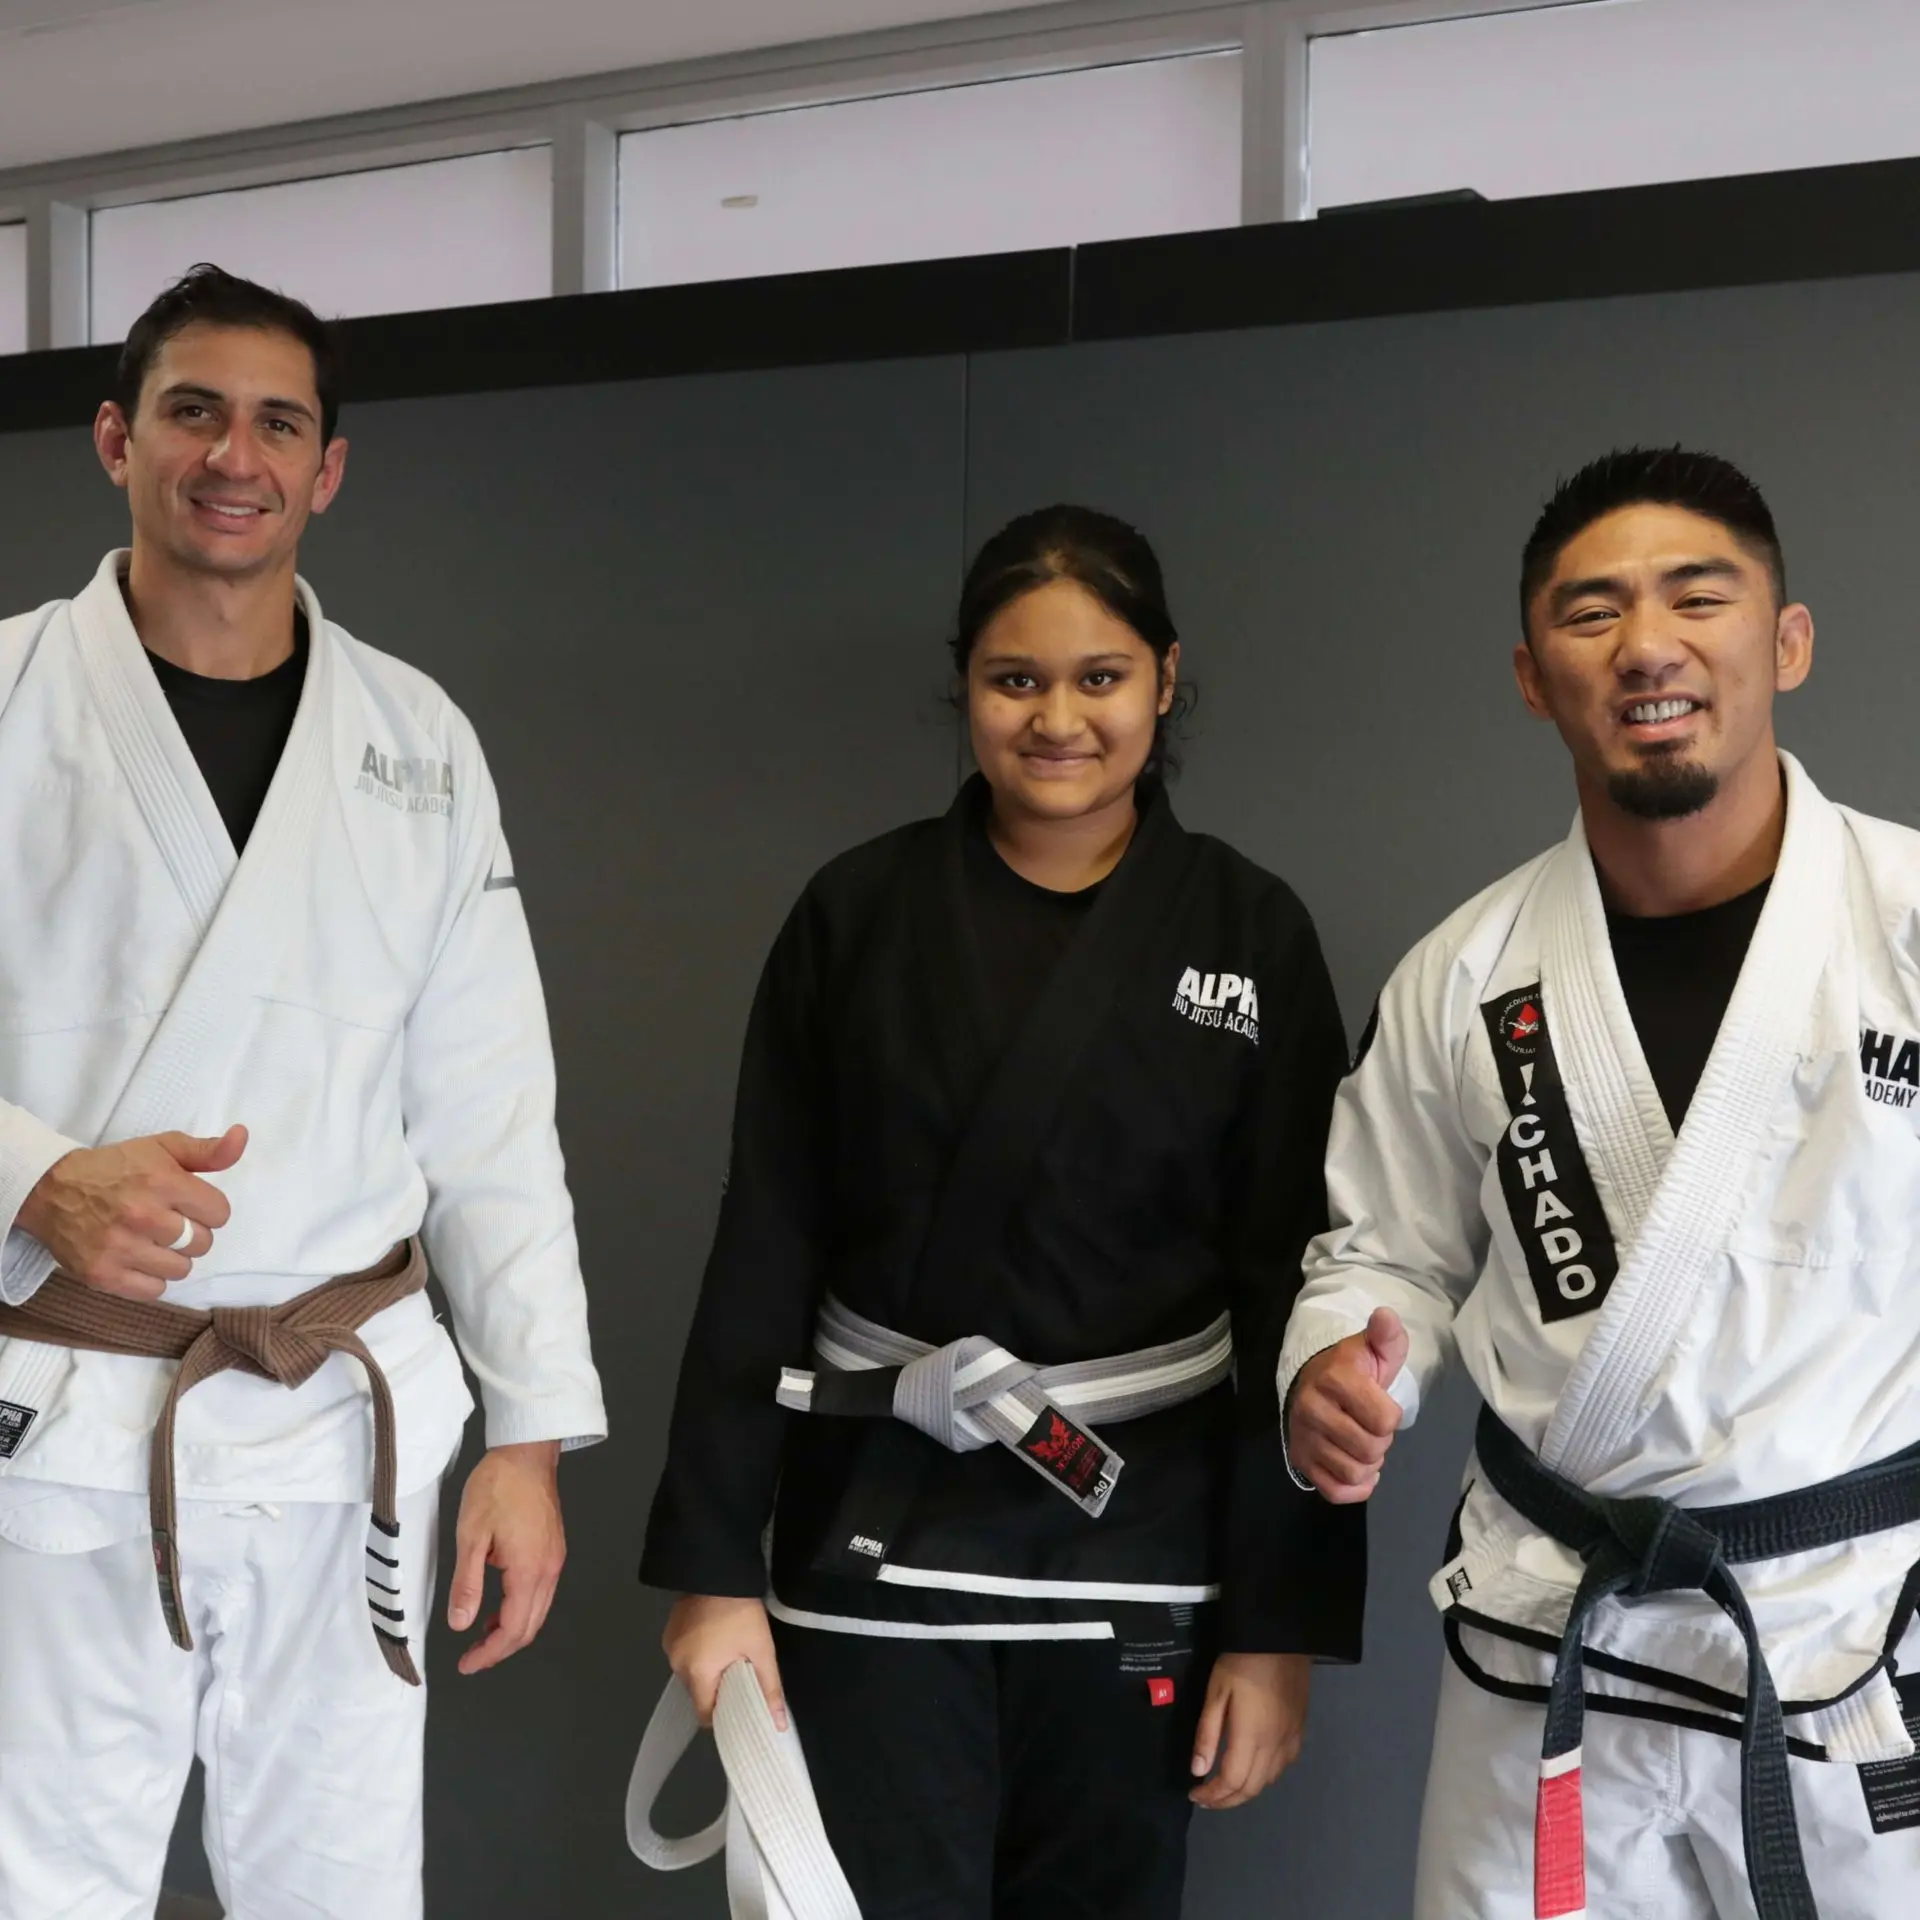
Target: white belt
779,1863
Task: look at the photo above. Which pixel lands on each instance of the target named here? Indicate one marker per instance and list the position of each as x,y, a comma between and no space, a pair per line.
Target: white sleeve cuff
28,1147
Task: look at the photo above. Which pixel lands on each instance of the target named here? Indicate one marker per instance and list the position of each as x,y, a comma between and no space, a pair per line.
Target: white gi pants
1662,1809
312,1748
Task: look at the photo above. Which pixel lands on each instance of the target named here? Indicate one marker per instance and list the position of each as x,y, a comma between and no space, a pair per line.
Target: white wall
1151,147
444,234
1614,94
13,289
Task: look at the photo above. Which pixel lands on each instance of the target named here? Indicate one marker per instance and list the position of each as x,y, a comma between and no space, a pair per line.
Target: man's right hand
110,1215
1341,1417
706,1633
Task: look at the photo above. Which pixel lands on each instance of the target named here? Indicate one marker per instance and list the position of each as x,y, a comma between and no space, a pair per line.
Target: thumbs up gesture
133,1217
1341,1418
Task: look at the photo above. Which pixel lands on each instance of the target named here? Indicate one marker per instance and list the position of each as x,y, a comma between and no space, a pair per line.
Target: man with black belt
1637,1132
251,871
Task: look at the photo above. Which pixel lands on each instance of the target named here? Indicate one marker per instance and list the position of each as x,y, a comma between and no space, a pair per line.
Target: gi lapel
1674,1221
1016,1108
153,755
231,900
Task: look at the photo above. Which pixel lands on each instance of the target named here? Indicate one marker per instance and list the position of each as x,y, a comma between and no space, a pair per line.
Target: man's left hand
510,1519
1253,1722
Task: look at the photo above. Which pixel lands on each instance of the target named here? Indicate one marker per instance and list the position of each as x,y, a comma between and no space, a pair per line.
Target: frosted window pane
13,289
1150,147
1568,98
446,233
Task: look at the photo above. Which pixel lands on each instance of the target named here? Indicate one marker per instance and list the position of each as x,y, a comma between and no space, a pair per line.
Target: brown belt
287,1343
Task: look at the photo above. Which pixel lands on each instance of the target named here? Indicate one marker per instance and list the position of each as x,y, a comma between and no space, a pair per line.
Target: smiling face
1656,646
222,464
1063,701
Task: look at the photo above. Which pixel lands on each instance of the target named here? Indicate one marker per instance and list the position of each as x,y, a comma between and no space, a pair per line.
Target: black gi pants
996,1780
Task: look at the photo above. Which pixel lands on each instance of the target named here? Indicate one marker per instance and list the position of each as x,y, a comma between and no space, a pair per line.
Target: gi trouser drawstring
1634,1547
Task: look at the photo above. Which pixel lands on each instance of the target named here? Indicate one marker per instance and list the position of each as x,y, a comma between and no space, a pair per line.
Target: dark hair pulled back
1110,559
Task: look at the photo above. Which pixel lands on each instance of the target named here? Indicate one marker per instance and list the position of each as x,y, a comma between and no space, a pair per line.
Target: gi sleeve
1403,1187
28,1147
760,1293
478,1094
1295,1569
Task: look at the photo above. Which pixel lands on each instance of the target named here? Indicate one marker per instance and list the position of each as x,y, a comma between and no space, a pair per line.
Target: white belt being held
972,1393
779,1863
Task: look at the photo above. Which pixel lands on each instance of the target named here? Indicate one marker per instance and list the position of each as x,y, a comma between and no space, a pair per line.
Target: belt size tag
1892,1787
1559,1841
1160,1690
1071,1455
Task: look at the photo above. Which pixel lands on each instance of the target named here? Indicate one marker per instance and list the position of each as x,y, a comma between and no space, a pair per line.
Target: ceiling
90,76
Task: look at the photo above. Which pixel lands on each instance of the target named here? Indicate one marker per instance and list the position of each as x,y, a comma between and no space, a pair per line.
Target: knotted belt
287,1343
972,1393
1635,1547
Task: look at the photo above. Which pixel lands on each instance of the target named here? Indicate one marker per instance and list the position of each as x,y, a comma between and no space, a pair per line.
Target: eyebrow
1611,586
1113,655
192,390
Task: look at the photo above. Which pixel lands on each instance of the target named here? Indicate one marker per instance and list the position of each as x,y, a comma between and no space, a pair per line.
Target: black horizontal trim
916,308
1818,223
1748,230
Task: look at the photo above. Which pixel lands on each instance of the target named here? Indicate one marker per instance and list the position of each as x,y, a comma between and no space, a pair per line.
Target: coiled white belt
779,1863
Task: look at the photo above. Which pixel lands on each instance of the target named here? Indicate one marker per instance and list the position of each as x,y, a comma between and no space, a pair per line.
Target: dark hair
1702,483
1115,564
208,295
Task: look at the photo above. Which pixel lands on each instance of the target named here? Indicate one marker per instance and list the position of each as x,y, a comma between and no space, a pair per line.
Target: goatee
1662,789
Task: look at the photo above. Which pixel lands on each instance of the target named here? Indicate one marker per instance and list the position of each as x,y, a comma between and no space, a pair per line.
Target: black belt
1641,1546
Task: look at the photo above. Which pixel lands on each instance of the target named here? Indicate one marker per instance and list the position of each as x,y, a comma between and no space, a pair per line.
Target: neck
226,629
1653,868
1064,856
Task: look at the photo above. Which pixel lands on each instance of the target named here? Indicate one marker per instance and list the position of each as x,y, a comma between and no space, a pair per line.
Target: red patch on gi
1559,1840
1160,1690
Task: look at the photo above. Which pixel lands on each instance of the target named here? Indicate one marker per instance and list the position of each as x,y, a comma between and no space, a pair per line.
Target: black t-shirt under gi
1021,929
237,729
1678,974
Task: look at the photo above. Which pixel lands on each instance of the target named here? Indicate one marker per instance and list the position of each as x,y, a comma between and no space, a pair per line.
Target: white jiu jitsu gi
359,989
1730,1314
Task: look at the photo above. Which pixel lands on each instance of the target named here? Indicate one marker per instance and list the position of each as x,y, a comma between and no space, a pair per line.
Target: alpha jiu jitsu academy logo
1226,1000
1889,1068
407,786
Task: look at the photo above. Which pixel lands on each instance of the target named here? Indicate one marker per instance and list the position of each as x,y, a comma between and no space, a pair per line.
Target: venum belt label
1551,1199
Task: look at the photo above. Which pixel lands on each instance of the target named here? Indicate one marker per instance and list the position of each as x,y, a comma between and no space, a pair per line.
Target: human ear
1169,677
333,470
110,436
1792,647
1532,684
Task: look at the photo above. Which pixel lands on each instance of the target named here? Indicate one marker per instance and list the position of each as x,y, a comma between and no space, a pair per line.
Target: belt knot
263,1343
1667,1549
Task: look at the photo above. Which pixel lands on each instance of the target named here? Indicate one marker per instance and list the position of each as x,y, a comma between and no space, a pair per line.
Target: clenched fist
131,1217
1341,1418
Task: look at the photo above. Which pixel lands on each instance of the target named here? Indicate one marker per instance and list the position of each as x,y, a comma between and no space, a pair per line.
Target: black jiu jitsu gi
1140,1153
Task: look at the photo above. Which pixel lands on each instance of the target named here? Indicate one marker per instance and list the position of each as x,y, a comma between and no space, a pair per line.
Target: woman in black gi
1055,1074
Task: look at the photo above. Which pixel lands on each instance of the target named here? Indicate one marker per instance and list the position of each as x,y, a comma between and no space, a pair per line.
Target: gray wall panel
1340,511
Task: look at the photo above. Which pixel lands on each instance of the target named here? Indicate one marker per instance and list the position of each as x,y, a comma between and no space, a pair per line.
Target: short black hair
1702,483
210,296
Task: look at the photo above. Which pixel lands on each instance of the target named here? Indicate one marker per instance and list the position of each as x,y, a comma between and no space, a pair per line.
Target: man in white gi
1637,1133
268,1011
